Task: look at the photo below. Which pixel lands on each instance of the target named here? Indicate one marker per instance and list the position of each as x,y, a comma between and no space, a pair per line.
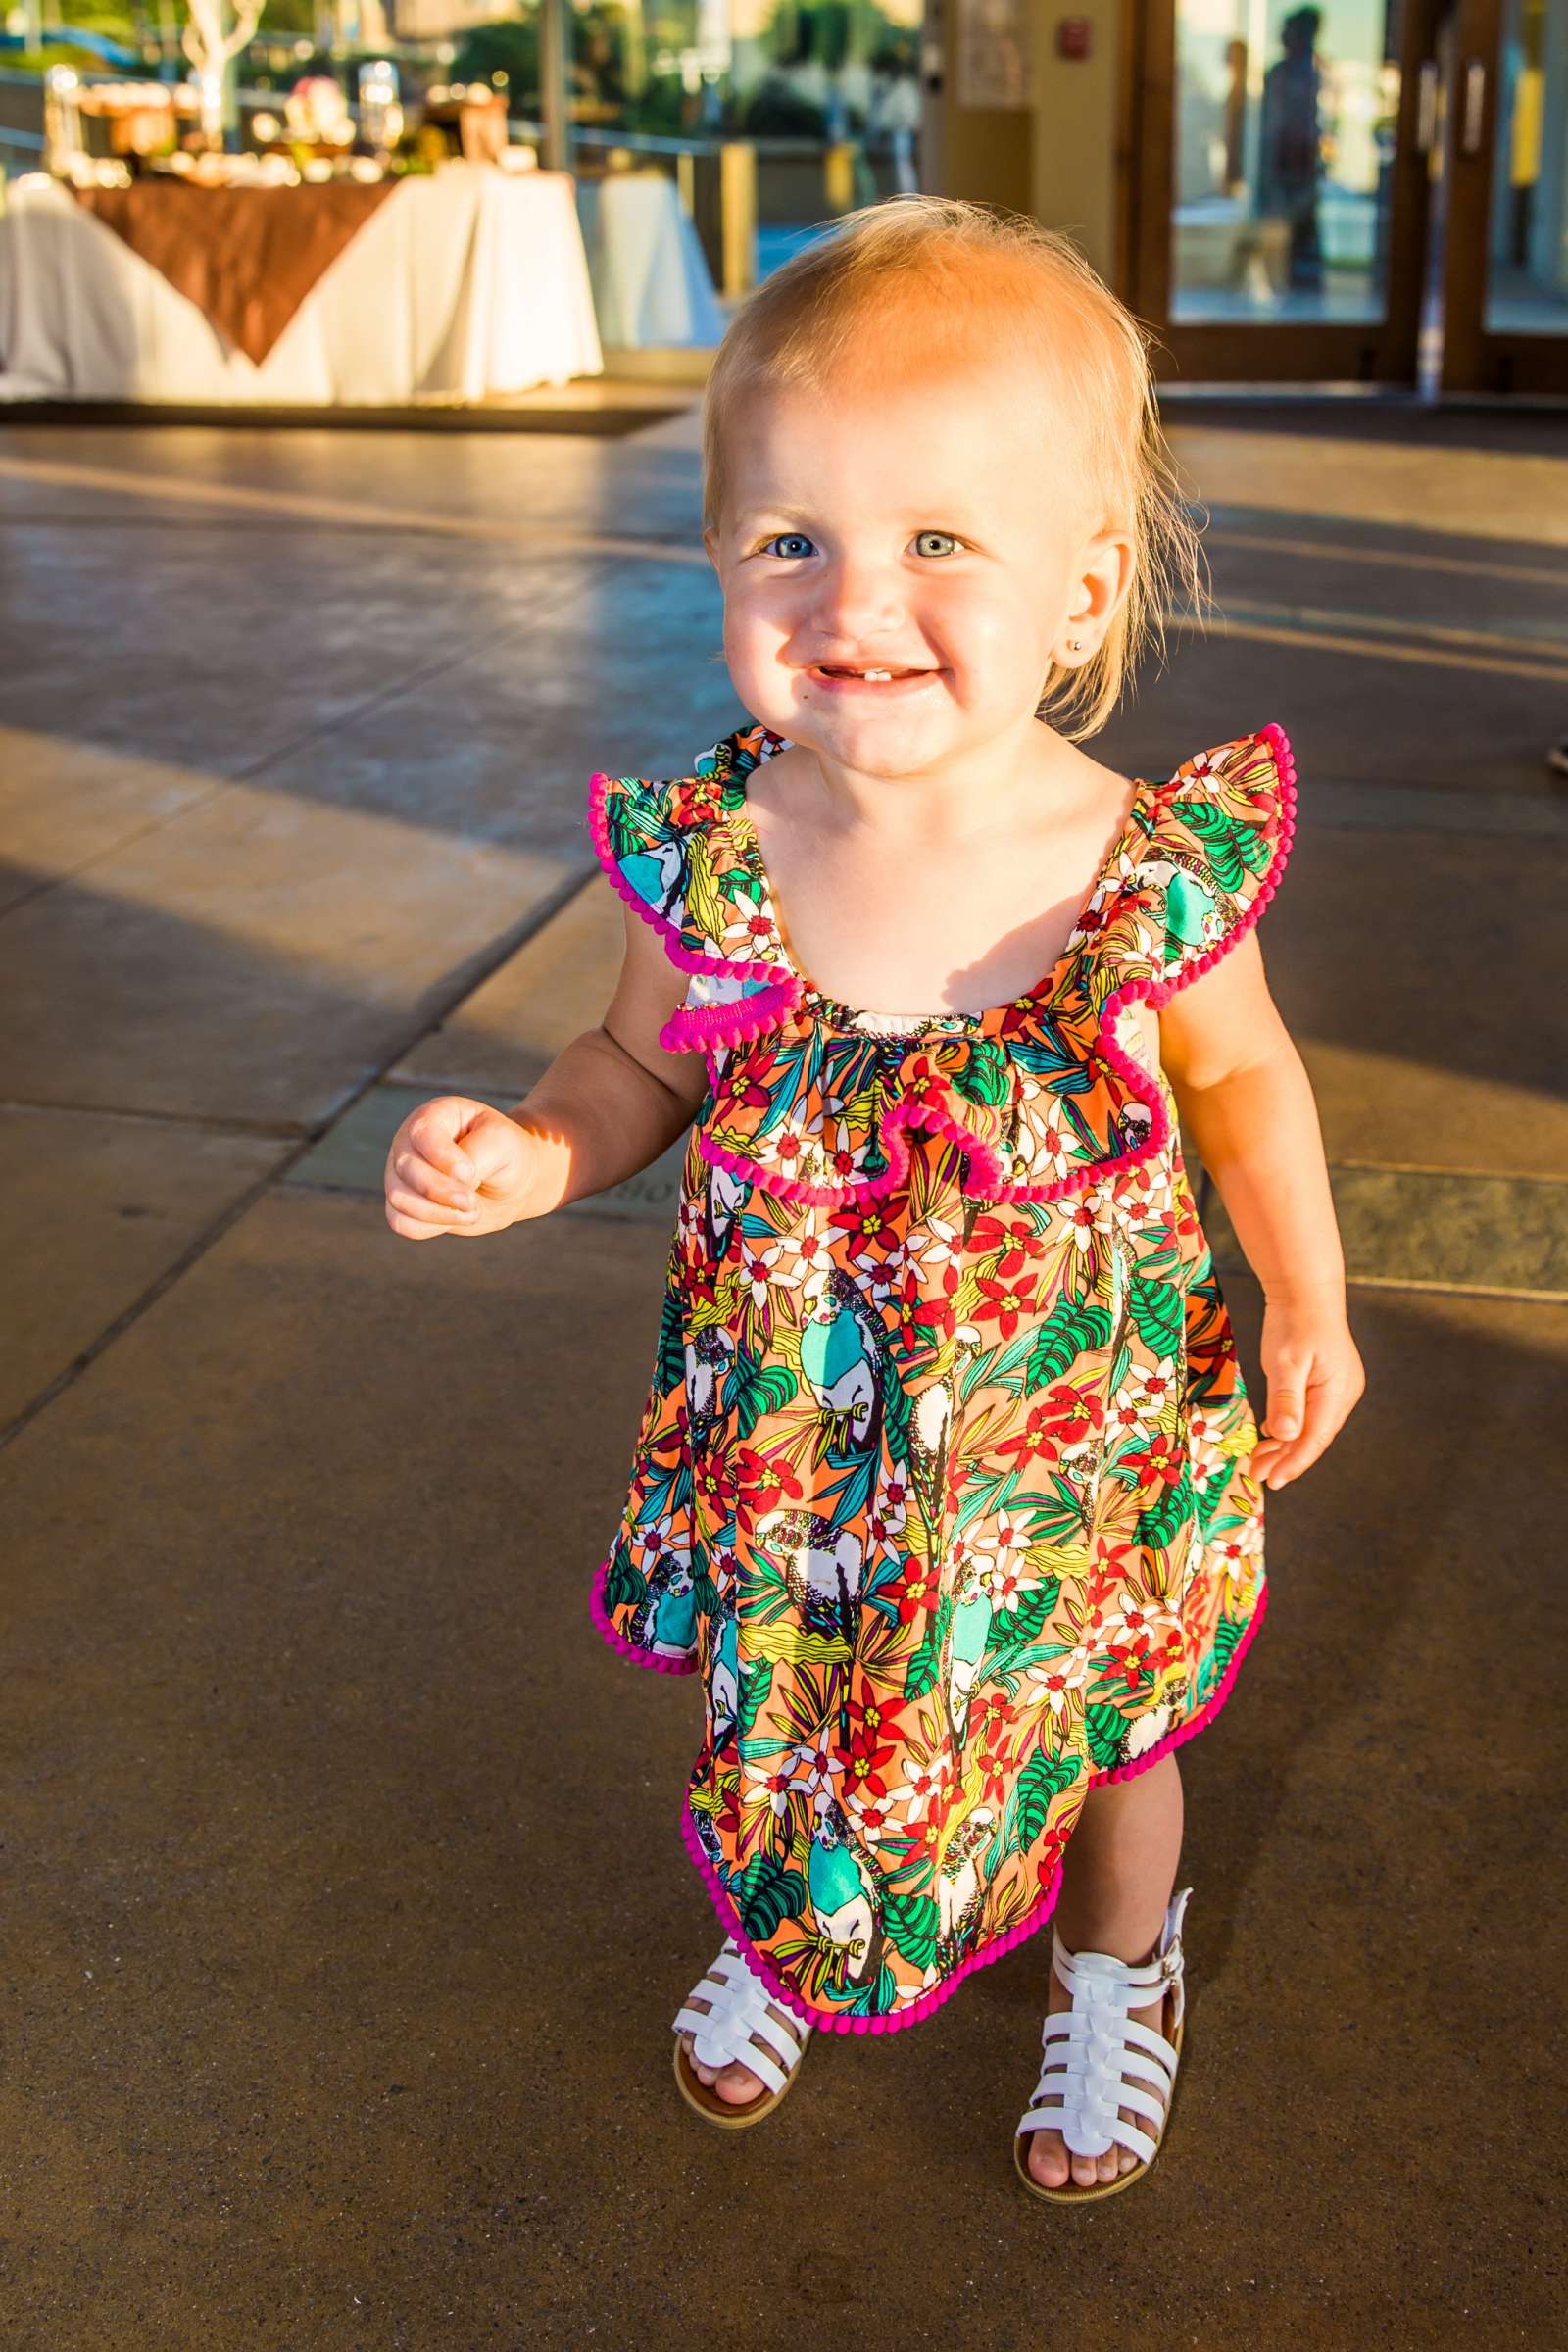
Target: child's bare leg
1117,1876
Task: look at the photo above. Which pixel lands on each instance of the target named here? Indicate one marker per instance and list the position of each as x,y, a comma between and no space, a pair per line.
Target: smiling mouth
832,675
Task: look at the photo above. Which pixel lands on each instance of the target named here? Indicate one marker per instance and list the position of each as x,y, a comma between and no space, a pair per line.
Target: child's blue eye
800,536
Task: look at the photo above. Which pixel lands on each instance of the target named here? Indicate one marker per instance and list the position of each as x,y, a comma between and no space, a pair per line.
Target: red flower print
867,1220
875,1720
759,1484
1163,1458
1014,1235
1064,1414
937,1313
1005,1299
696,800
1131,1663
673,1442
916,1591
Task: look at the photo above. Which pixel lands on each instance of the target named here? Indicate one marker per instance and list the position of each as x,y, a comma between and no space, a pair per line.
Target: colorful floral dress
942,1484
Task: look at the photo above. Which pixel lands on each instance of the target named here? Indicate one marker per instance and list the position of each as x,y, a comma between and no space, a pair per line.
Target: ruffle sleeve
1042,1095
669,849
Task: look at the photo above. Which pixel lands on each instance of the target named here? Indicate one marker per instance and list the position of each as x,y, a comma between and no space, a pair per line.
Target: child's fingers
1276,1461
428,1212
434,1131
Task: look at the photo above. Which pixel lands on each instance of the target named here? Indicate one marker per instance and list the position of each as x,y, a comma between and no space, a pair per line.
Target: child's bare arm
609,1104
614,1100
1248,1104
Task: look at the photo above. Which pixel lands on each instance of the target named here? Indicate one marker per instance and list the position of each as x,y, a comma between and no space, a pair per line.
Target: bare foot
1046,2153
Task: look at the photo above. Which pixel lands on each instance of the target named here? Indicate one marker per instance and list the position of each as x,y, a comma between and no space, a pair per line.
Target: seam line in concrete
257,767
468,977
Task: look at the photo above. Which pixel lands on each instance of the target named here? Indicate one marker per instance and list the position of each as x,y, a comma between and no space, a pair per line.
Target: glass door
1505,278
1364,191
1283,188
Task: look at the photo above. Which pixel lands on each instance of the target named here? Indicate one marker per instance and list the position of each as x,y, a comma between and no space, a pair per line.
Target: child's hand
1314,1377
457,1166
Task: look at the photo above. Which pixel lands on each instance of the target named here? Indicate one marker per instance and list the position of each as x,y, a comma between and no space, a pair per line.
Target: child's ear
711,543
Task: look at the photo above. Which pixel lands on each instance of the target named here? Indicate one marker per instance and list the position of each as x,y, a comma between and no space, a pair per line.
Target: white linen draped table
651,279
466,282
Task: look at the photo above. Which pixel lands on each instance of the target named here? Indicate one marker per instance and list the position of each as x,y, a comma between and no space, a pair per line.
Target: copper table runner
246,257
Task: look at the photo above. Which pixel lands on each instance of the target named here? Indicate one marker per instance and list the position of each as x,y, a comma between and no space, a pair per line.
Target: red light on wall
1074,36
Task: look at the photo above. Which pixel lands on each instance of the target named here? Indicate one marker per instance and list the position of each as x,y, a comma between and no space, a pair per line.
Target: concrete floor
346,1911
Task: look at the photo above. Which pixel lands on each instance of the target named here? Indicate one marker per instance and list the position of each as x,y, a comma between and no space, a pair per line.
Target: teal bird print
656,872
710,1357
723,1681
843,1897
667,1619
841,1353
930,1420
822,1567
966,1644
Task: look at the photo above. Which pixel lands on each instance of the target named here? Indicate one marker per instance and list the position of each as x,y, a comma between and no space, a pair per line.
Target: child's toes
1046,2159
737,2083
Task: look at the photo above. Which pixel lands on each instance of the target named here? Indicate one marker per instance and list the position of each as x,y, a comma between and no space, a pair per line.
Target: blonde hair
915,285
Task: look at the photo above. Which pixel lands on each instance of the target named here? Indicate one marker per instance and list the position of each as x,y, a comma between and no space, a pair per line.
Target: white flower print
815,1768
998,1557
1057,1682
756,1265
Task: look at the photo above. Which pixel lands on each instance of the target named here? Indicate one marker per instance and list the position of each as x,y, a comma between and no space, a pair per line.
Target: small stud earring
1075,644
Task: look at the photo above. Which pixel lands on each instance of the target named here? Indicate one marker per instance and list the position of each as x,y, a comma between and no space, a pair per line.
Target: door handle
1426,116
1474,113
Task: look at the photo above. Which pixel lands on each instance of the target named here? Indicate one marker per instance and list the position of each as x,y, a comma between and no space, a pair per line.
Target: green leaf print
768,1392
911,1922
1157,1313
926,1662
1042,1779
1234,850
981,1076
1227,1633
1070,1330
625,1582
766,1893
896,1410
756,1681
704,1592
1023,1623
1174,1509
1107,1735
670,1369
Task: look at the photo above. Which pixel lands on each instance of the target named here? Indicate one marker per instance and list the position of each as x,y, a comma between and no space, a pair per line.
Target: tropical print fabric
942,1487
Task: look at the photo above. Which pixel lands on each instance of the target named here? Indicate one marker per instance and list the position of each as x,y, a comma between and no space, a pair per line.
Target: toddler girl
948,1487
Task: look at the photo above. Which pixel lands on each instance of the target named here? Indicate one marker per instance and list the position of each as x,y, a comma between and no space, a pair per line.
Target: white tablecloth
468,283
651,279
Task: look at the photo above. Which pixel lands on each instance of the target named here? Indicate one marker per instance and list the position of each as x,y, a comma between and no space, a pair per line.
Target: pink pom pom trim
599,1610
834,2021
709,1025
709,1028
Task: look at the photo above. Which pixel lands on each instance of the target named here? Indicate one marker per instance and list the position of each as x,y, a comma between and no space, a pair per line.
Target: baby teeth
880,674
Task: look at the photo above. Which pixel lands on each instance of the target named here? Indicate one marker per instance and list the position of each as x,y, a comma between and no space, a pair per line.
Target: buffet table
458,285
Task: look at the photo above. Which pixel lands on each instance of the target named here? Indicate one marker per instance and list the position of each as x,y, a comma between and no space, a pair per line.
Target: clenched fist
457,1166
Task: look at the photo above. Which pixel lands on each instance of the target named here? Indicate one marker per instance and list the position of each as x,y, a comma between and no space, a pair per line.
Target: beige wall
1055,159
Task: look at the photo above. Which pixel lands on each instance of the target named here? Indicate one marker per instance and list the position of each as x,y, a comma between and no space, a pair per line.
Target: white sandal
737,2024
1094,2048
